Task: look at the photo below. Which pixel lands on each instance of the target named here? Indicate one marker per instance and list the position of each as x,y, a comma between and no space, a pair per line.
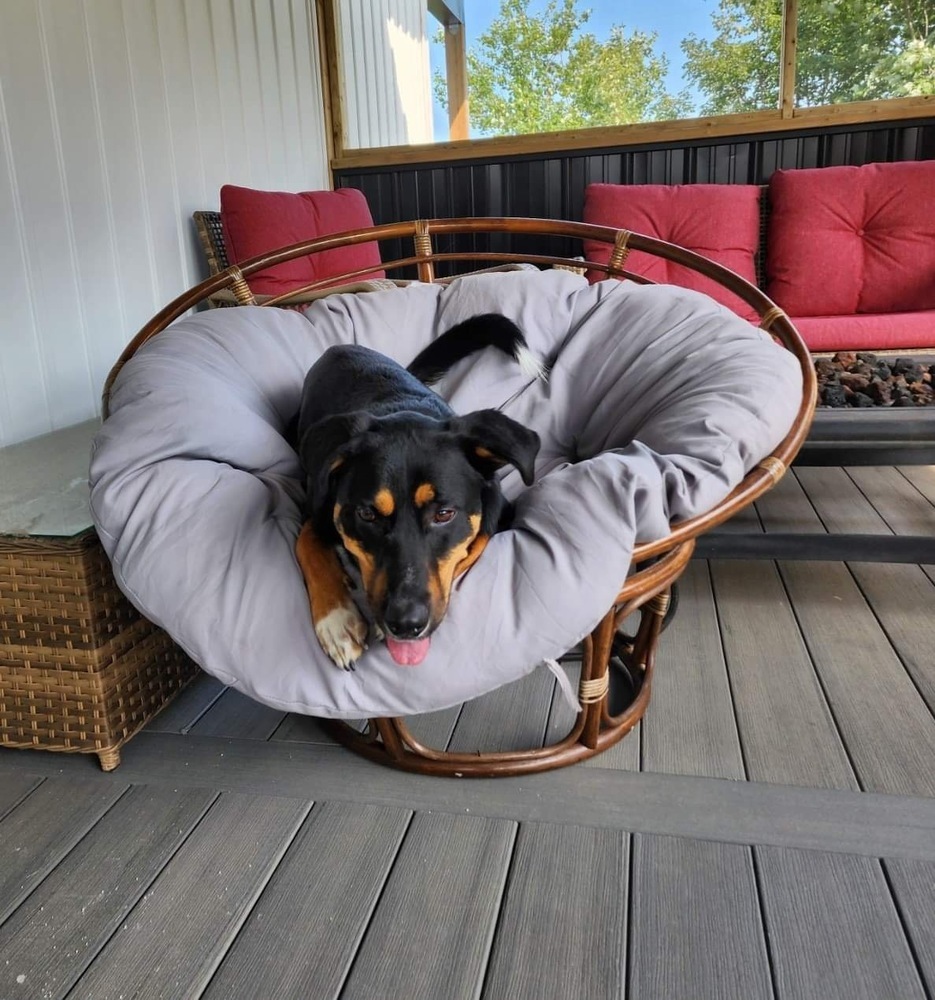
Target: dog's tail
474,334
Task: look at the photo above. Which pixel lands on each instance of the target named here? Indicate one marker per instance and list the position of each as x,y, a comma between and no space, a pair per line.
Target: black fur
367,425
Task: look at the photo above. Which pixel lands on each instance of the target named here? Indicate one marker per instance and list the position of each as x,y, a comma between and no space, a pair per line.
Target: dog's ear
324,447
491,440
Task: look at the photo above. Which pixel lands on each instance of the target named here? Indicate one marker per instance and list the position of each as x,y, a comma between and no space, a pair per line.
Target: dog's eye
444,514
366,513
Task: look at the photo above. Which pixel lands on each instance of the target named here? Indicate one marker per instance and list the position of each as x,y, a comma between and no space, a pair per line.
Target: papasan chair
664,414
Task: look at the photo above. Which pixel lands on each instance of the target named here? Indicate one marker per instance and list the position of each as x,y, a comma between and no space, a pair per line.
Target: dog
402,494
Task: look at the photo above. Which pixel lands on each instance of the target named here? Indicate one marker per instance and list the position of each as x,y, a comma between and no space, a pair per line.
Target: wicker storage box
80,669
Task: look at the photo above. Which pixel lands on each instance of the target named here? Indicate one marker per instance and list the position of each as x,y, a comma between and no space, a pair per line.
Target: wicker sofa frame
656,565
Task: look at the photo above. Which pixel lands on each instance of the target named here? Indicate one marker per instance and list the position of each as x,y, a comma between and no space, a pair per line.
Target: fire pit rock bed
863,380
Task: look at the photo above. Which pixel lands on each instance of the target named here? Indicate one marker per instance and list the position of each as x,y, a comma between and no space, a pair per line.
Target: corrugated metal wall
385,55
552,186
118,118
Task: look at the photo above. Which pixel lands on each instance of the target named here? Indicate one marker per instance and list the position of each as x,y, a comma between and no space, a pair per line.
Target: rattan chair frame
656,565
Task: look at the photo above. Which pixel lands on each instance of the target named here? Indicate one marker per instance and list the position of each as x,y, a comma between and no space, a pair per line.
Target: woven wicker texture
80,669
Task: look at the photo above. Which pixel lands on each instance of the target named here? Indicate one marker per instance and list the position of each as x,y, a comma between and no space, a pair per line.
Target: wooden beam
332,77
456,77
787,64
643,133
448,12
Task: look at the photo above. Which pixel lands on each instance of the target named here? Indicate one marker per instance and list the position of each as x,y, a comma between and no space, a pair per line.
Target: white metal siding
119,118
385,55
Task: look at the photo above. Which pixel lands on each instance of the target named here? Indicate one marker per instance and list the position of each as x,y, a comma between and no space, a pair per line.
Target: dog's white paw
343,635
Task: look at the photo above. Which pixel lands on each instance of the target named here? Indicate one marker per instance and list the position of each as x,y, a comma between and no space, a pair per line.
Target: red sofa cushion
255,222
718,221
852,239
868,331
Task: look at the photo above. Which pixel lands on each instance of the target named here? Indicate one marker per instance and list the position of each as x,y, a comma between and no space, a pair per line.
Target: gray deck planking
173,940
690,726
240,717
301,937
786,507
513,717
562,930
52,938
897,501
786,728
43,828
913,886
13,790
839,503
903,600
431,933
188,706
706,808
833,928
922,478
696,927
888,729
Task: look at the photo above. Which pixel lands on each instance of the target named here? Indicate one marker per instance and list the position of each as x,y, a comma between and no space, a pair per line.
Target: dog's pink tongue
410,652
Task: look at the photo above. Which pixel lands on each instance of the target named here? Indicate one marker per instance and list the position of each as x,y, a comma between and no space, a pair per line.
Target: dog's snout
407,619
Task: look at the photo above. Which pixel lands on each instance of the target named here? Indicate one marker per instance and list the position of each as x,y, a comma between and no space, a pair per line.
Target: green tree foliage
848,50
540,72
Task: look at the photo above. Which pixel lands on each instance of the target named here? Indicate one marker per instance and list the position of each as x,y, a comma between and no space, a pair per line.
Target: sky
672,20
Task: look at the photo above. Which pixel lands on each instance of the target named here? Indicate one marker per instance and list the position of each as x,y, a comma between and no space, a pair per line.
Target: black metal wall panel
552,185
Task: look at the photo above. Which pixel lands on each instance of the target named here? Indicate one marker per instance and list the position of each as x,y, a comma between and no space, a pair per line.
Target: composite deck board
434,729
840,504
302,729
50,939
13,789
172,941
786,729
431,932
833,928
899,503
697,929
902,597
787,507
922,477
511,718
43,828
240,717
744,521
301,937
188,706
562,929
689,727
887,727
913,887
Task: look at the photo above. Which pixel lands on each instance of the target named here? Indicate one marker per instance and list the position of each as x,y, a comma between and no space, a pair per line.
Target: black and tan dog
402,493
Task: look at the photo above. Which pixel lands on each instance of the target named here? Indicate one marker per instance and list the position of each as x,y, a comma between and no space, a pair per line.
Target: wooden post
456,75
790,12
332,78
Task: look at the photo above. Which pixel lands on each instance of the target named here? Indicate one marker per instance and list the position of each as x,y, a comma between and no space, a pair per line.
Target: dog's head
413,500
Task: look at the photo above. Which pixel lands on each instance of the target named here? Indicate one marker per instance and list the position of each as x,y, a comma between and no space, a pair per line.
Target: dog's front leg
340,628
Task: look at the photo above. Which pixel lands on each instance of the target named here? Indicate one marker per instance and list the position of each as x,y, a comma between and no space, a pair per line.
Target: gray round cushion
659,401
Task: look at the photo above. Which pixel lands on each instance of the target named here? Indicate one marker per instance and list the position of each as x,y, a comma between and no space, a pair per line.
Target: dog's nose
407,619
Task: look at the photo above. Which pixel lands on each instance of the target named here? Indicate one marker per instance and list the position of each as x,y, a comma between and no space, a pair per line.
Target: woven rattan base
80,669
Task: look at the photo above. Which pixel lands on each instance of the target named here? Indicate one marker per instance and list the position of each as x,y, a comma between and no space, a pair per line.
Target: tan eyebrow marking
384,502
425,493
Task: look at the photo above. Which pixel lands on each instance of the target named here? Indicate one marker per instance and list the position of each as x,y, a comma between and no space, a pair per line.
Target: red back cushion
256,222
852,239
718,221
